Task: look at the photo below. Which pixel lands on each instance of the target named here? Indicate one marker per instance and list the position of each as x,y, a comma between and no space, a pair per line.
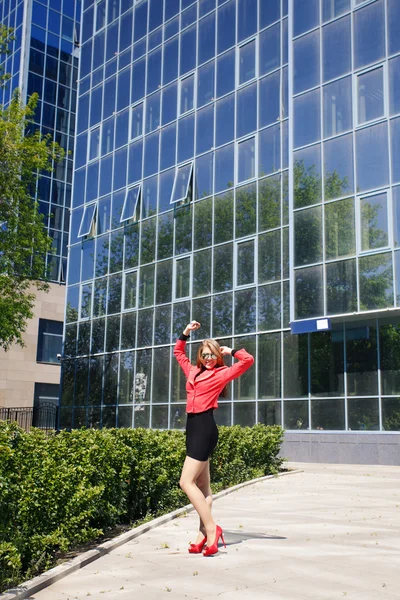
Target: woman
204,384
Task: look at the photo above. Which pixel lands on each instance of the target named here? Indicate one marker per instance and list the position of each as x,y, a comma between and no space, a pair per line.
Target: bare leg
203,483
191,472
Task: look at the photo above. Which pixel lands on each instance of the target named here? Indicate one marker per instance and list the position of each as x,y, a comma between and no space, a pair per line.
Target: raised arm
245,361
180,347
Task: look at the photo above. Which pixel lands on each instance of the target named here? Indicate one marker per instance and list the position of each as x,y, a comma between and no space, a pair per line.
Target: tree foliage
24,242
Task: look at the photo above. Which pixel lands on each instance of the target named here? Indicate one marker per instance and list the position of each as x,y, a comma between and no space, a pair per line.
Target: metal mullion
322,154
379,374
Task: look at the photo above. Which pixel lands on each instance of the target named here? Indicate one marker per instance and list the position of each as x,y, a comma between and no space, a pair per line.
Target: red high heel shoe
197,548
213,549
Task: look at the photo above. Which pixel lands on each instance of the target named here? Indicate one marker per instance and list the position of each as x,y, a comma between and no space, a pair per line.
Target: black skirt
201,435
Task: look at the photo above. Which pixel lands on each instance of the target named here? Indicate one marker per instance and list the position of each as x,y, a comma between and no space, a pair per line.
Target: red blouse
203,391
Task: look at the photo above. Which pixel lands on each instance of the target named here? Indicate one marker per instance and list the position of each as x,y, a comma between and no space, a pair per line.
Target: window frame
236,159
181,81
135,217
389,222
385,115
91,227
92,130
251,40
182,200
175,277
125,274
133,107
40,344
237,243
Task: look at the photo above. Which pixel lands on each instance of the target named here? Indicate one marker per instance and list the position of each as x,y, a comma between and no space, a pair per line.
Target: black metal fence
44,416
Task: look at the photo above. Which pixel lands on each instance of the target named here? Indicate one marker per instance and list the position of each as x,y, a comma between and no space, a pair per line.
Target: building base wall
342,448
19,370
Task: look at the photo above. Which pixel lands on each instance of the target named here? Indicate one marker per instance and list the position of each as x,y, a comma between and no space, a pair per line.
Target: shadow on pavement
237,537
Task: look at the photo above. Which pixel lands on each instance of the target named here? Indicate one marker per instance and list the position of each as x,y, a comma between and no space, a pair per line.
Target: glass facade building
236,163
44,59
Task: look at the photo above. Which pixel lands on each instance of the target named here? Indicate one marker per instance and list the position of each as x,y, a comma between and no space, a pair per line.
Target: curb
32,586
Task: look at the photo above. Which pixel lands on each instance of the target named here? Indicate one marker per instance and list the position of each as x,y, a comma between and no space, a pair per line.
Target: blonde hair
215,349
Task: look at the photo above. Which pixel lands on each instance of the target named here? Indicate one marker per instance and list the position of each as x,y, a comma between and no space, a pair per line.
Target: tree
23,239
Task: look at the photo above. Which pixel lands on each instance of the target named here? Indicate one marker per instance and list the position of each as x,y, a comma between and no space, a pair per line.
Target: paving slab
326,532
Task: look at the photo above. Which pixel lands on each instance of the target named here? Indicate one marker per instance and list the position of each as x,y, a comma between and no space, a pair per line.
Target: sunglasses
207,355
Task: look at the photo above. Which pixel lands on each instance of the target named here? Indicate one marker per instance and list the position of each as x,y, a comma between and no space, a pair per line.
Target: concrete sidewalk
328,532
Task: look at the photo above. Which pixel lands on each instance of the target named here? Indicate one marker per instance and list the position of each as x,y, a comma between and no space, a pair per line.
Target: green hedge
59,491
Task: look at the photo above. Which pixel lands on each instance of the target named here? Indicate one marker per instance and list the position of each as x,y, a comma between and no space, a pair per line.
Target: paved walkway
329,532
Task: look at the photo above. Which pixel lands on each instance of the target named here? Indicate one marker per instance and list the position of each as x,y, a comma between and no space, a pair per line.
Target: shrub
62,490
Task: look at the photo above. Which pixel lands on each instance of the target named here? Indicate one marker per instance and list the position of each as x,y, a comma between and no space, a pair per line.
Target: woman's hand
192,326
225,350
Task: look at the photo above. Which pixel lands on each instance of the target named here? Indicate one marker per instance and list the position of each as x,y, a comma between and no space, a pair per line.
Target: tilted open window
88,223
182,190
131,209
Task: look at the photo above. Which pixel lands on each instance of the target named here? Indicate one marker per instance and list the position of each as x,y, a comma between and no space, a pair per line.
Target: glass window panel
182,182
188,16
395,147
137,121
223,416
130,294
246,210
308,236
269,157
148,241
269,203
107,140
269,49
153,112
223,268
168,146
146,286
201,274
151,148
164,282
87,226
225,73
246,160
269,307
269,12
247,62
183,230
205,129
123,88
269,256
223,218
394,85
162,330
126,372
306,57
188,50
341,287
165,189
245,311
247,18
94,144
201,310
374,222
135,161
363,414
396,215
340,229
112,343
120,168
181,316
145,328
169,103
170,64
336,48
327,415
361,362
305,15
165,236
393,18
269,100
153,71
269,361
376,281
171,9
334,8
114,294
122,129
369,24
203,224
309,301
206,40
307,118
149,197
204,176
337,107
187,94
100,297
138,80
390,414
128,331
295,366
246,110
222,315
338,167
224,168
269,413
183,278
245,263
225,120
226,26
307,177
131,254
140,21
327,364
131,204
205,84
185,138
389,353
370,99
